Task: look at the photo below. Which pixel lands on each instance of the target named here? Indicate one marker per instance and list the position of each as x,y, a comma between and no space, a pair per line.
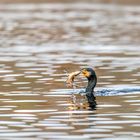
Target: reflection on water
38,42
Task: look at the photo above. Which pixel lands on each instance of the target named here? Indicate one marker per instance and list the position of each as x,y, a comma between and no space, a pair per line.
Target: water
38,42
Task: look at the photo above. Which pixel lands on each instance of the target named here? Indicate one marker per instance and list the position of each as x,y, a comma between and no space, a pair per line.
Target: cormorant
90,74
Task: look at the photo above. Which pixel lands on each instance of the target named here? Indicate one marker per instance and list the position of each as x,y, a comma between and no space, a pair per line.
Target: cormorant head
89,73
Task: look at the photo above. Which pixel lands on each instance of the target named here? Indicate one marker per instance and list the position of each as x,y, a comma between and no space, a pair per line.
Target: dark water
38,42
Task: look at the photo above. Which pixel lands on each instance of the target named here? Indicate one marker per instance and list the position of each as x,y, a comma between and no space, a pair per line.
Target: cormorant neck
89,91
91,84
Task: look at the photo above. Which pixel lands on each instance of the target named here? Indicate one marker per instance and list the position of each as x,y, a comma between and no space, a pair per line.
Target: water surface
38,42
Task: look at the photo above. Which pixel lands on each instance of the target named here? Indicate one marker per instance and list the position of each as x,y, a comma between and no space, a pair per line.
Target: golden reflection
78,102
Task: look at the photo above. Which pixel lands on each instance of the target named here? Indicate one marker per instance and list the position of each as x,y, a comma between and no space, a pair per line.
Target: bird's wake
110,91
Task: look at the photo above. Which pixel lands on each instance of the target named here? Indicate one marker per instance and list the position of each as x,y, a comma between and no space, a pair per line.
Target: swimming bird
90,74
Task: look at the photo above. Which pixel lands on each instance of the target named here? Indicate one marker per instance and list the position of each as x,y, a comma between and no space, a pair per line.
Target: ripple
110,127
107,105
130,116
94,130
33,76
20,83
66,137
123,138
48,124
6,71
136,104
131,101
13,75
17,115
25,101
4,109
21,94
60,128
32,111
24,134
7,131
73,112
11,123
118,122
